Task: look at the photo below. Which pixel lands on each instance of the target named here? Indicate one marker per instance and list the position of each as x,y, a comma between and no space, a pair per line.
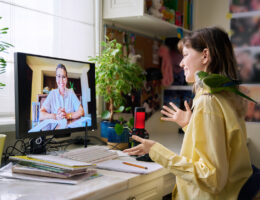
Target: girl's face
61,79
192,62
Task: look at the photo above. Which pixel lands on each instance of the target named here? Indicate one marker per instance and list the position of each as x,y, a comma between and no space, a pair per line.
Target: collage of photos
245,37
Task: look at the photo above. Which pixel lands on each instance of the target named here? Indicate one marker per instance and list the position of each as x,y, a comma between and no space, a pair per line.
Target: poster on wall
245,37
248,60
240,6
253,110
246,31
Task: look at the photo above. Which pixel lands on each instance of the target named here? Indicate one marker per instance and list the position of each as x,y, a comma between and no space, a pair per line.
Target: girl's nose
181,63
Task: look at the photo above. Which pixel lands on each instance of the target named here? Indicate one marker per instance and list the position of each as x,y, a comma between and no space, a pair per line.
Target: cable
15,150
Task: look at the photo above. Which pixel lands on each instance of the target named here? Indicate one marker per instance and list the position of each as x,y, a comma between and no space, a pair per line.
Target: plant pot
114,138
104,129
114,141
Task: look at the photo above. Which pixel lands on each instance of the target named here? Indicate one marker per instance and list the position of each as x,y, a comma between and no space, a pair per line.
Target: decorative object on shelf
116,77
155,9
3,47
168,14
179,33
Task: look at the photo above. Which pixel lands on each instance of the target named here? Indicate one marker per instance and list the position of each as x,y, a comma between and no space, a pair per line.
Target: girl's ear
206,56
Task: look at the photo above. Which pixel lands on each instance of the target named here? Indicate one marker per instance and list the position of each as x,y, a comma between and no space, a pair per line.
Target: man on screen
61,103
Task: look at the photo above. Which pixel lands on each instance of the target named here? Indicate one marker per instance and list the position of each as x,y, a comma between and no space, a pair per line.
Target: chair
251,187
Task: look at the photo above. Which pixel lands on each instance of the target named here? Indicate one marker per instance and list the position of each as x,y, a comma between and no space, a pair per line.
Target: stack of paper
50,166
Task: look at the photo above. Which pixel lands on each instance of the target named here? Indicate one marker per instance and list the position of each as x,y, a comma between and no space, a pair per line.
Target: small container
35,111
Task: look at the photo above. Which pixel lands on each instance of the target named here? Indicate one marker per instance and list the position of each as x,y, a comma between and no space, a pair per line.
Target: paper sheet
117,165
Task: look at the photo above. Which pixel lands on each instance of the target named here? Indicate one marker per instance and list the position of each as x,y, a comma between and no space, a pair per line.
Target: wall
213,13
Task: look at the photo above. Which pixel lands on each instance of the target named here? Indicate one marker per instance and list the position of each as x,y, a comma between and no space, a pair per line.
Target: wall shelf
131,15
148,24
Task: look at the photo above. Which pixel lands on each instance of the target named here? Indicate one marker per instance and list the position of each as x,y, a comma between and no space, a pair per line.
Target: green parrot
217,83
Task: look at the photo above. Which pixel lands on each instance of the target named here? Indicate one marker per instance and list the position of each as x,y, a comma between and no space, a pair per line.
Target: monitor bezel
20,134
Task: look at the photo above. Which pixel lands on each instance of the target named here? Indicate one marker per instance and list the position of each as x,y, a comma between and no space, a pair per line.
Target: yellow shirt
214,161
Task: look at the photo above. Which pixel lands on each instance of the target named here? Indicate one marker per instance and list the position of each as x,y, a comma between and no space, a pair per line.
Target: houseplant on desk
116,77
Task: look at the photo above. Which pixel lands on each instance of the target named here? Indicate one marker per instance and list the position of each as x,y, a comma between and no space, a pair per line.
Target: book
54,161
17,168
6,172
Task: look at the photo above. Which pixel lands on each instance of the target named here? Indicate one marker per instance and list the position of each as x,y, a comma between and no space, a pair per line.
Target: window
62,29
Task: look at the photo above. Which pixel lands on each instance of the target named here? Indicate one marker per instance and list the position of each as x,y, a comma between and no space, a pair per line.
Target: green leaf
105,114
121,119
119,129
130,123
128,109
120,109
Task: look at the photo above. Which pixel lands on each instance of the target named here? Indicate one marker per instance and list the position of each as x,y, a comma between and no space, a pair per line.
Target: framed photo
245,31
240,6
248,60
253,110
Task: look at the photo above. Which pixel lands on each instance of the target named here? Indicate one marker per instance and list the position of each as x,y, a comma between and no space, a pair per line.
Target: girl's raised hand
177,115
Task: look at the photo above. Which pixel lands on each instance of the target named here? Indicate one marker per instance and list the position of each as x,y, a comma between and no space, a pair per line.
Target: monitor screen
53,96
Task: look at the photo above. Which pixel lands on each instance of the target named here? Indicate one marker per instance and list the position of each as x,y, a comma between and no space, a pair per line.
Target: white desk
112,185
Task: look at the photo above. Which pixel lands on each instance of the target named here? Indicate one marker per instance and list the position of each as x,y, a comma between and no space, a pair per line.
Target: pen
134,165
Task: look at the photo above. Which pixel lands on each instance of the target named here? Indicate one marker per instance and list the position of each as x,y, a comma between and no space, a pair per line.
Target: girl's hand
177,115
142,148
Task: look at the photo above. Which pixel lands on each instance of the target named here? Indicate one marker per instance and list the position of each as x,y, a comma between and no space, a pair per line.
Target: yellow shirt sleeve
208,166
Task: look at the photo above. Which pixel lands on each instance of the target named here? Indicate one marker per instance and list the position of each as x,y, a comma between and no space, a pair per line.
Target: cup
2,144
35,111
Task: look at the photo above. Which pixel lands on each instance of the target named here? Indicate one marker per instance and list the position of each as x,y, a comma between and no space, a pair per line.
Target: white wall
213,13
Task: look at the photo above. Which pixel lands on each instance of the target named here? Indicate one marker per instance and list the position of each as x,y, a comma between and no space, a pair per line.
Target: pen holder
2,144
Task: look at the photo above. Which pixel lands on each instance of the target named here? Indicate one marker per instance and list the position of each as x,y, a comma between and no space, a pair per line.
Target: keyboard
92,154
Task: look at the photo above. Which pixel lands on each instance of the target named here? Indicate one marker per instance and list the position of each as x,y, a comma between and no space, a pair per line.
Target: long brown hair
220,49
222,57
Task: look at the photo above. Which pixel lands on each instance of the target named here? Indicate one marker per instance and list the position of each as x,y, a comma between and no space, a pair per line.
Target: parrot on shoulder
217,83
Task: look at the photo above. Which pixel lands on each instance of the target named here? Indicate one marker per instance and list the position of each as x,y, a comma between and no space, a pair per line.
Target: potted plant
116,76
3,47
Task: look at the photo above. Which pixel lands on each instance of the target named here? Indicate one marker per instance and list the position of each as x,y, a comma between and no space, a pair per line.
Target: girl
214,161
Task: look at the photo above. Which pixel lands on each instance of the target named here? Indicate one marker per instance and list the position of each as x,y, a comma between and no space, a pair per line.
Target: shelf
148,24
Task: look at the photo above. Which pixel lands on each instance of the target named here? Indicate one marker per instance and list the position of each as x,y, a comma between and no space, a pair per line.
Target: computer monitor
53,96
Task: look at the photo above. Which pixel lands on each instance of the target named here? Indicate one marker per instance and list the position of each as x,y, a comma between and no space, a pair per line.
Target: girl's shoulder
222,102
